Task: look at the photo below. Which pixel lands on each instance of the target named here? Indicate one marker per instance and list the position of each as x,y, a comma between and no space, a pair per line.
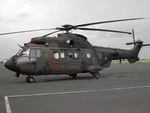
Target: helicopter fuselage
67,54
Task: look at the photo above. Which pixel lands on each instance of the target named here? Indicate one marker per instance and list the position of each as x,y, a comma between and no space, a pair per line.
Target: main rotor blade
106,30
81,25
27,31
51,33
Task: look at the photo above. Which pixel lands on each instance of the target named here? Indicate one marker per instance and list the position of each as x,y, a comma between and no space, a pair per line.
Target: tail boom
130,55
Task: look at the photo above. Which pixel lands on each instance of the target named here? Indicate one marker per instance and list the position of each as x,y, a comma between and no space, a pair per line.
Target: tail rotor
134,42
133,36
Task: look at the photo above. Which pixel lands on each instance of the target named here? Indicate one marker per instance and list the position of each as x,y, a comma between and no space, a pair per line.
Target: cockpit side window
26,52
35,53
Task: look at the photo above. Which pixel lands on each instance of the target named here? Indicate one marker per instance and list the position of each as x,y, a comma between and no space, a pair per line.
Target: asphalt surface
122,89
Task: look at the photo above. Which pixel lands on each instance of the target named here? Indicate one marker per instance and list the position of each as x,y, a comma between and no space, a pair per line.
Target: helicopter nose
11,64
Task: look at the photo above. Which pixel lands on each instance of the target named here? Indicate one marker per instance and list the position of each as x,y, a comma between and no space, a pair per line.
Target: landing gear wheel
96,75
73,75
30,79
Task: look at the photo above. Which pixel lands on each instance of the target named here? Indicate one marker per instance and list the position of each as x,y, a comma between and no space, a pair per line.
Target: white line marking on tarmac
8,109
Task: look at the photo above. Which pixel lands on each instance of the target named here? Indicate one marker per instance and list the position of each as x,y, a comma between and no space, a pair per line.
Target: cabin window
35,52
88,55
70,54
62,55
75,55
70,42
56,55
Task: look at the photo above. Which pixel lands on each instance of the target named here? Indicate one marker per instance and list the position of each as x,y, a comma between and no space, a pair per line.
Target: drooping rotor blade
67,27
51,33
130,43
102,22
146,45
27,31
106,30
20,46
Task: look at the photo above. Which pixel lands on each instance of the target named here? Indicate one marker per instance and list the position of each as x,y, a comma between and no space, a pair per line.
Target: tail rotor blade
146,45
133,35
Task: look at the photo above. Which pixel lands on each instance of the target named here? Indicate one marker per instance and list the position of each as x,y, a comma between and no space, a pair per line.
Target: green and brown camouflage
69,53
66,54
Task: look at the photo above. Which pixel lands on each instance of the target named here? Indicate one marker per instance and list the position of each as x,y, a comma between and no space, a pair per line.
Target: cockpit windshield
19,52
23,52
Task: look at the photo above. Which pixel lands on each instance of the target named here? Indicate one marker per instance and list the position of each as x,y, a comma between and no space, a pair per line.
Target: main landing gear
30,79
73,76
96,75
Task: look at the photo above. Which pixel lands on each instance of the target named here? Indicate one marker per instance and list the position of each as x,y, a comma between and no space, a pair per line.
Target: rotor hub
66,27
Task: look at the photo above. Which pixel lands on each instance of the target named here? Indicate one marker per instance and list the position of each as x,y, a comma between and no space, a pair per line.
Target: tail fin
135,51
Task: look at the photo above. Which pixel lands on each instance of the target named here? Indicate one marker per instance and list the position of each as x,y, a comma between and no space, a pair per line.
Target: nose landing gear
30,79
74,76
17,74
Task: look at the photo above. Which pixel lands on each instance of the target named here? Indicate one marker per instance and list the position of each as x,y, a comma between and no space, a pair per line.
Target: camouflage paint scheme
78,56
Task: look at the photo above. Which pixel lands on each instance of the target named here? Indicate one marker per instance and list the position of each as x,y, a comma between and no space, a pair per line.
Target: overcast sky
16,15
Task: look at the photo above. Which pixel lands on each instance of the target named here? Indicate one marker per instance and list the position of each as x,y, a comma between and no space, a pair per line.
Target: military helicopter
68,53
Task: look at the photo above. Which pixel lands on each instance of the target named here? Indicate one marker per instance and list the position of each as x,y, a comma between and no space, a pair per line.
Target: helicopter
68,53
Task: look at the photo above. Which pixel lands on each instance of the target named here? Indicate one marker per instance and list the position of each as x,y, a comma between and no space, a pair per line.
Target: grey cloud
54,13
23,15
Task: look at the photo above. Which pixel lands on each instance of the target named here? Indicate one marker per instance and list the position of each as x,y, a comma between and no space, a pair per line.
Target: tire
30,79
96,75
74,76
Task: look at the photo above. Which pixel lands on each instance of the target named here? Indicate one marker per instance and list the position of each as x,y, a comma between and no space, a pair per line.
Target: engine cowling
38,40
